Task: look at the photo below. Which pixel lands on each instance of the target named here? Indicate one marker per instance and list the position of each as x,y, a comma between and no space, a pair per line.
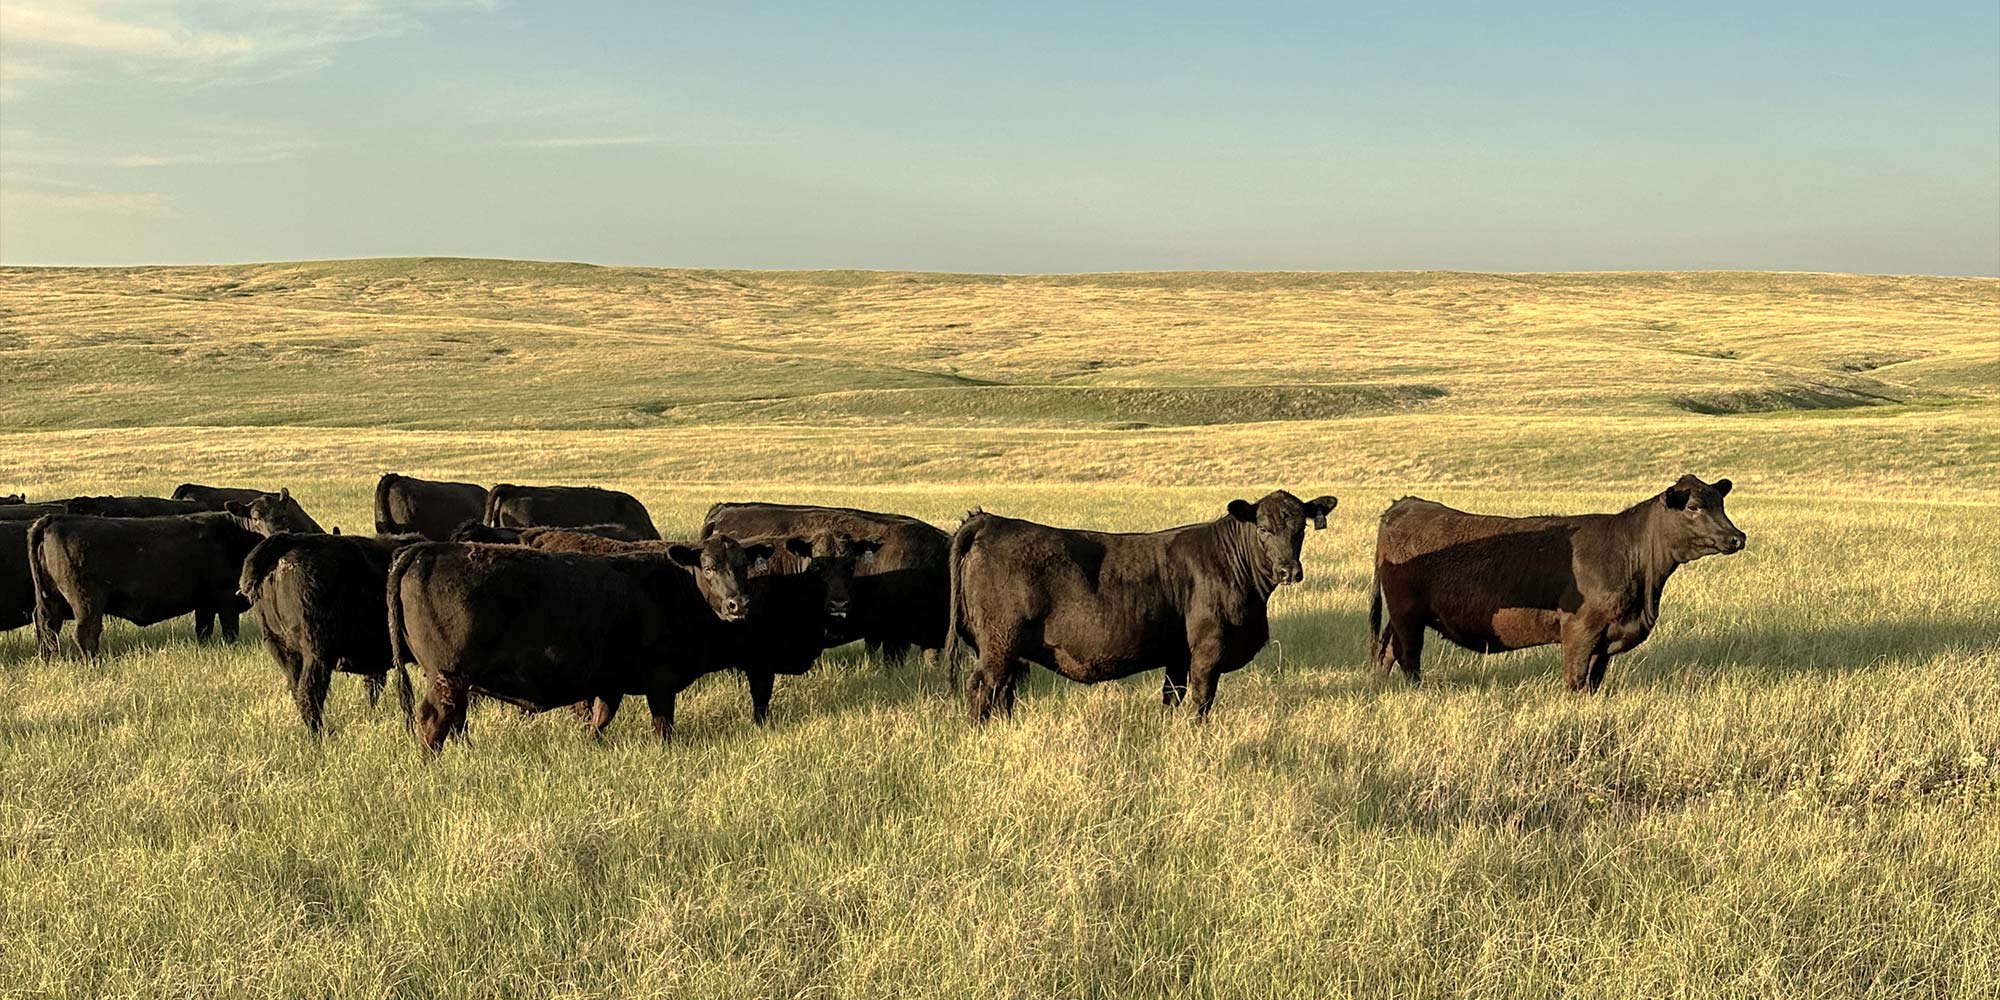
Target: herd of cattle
549,596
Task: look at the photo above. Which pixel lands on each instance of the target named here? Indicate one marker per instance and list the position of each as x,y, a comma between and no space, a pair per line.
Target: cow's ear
1722,487
1319,508
686,555
1676,498
336,529
1243,510
284,494
799,547
236,507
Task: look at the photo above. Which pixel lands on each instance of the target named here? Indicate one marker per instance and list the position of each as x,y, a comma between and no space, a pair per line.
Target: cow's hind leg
441,714
204,624
761,683
89,630
1406,645
991,686
1173,690
309,690
232,624
373,685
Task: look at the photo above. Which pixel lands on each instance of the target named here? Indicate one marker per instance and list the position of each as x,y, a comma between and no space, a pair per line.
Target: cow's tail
1377,640
399,643
961,540
50,608
492,513
385,524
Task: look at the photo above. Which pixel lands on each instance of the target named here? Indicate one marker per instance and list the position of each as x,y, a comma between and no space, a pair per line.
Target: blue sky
1005,137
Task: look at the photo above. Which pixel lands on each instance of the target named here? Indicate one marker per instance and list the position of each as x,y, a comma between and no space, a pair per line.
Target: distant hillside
451,343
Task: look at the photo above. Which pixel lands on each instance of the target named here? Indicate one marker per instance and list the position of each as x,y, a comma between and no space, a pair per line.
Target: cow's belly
1503,629
1102,647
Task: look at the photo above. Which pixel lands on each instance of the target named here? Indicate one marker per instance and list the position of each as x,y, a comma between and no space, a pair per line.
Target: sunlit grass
1793,789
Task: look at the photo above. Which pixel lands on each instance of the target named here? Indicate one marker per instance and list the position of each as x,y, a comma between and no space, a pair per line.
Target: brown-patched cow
1591,582
1097,606
899,596
511,506
543,629
406,505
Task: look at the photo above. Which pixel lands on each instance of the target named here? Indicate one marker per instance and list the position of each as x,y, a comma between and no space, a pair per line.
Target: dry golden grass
1792,790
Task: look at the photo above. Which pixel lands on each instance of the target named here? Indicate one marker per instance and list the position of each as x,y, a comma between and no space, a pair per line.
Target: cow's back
907,542
511,506
432,509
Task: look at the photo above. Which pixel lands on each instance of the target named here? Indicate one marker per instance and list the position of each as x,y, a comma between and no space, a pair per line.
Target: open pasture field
1792,790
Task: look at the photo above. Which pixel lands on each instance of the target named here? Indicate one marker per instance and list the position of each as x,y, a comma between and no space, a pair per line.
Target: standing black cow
1590,581
510,506
141,569
319,603
25,512
542,629
131,506
404,504
213,497
1096,606
797,596
899,597
17,585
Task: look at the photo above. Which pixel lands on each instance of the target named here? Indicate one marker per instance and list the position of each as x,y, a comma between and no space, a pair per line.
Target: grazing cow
509,506
899,596
213,497
797,596
526,536
1096,606
432,509
17,585
25,512
542,629
319,603
131,506
141,569
1591,582
272,513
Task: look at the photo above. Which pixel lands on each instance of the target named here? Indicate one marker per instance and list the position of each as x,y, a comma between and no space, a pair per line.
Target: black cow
1590,581
131,506
25,512
17,585
542,629
1096,606
319,603
272,513
899,596
141,569
796,596
474,532
432,509
13,499
213,497
510,506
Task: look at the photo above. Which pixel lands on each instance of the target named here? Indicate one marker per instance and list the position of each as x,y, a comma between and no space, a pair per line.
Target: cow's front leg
1173,690
204,624
1583,649
1207,662
761,682
661,703
232,626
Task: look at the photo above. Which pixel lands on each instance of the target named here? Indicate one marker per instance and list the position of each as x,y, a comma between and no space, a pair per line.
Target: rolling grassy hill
1793,789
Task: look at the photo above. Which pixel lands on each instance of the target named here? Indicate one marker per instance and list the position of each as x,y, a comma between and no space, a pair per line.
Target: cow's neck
1652,561
1235,542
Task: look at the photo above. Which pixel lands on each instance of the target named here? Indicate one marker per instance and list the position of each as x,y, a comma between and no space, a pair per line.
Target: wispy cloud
191,146
63,40
596,140
27,192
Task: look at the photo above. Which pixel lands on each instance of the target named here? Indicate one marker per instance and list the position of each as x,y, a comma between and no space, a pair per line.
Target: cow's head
273,513
721,570
835,557
1693,521
1280,521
